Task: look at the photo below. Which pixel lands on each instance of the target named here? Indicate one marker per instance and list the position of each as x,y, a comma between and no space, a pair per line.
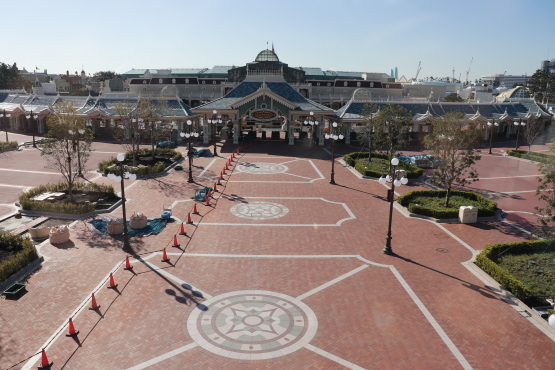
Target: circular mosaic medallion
262,168
252,325
259,210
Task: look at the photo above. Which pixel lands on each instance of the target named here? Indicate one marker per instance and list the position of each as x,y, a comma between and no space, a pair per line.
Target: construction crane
417,71
468,70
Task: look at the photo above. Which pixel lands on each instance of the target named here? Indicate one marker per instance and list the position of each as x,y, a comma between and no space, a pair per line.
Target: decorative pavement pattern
259,210
262,168
424,308
261,324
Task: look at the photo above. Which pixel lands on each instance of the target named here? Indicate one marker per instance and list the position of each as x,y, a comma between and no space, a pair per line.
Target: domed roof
267,56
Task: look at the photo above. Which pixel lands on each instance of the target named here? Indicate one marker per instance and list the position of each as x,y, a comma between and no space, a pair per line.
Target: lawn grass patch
509,264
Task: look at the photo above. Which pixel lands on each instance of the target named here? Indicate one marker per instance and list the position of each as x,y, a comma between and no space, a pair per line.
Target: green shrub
488,259
411,200
8,145
359,160
42,206
143,170
26,252
532,156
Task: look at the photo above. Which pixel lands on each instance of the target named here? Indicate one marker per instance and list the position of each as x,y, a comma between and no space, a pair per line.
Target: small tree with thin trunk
129,132
532,130
365,135
151,111
391,129
70,148
452,142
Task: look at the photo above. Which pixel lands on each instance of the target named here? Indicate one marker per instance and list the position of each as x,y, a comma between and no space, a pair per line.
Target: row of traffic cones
45,363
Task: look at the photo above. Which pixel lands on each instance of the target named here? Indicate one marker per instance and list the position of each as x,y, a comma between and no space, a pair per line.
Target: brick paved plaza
281,271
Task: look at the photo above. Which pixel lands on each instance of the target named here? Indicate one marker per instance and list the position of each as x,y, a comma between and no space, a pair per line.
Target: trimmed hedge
488,258
487,207
532,156
37,205
12,264
141,171
352,160
8,145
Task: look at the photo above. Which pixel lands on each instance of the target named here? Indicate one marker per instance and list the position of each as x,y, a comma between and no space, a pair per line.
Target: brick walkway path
315,272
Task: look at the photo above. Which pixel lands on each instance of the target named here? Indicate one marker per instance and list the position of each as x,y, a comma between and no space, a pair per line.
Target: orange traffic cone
219,182
189,220
182,229
112,282
207,203
127,264
44,364
215,187
175,243
93,306
221,175
72,332
195,210
165,255
223,172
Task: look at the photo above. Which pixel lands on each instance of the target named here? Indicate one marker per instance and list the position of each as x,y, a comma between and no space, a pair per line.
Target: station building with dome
265,96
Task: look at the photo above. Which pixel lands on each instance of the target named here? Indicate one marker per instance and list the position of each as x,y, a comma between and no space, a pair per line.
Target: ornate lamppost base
387,250
332,181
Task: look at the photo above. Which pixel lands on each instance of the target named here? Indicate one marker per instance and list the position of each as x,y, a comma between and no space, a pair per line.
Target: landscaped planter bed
430,203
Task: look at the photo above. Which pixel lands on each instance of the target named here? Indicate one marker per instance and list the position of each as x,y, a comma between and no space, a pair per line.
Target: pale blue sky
349,35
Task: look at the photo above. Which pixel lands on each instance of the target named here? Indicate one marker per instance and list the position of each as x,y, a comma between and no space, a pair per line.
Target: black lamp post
518,124
31,117
312,122
6,115
215,120
394,177
491,124
189,135
332,135
120,178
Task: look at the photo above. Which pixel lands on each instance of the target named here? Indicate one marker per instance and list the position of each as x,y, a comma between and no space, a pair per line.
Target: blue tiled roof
282,89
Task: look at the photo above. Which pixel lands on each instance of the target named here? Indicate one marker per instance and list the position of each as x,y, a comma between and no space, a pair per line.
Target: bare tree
453,142
151,111
532,130
391,129
365,135
130,131
70,148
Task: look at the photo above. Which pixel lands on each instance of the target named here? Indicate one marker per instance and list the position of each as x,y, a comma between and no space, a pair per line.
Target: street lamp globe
182,134
395,161
70,132
189,122
316,123
523,123
327,136
81,131
121,157
334,124
382,180
195,134
311,113
215,111
305,122
552,321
